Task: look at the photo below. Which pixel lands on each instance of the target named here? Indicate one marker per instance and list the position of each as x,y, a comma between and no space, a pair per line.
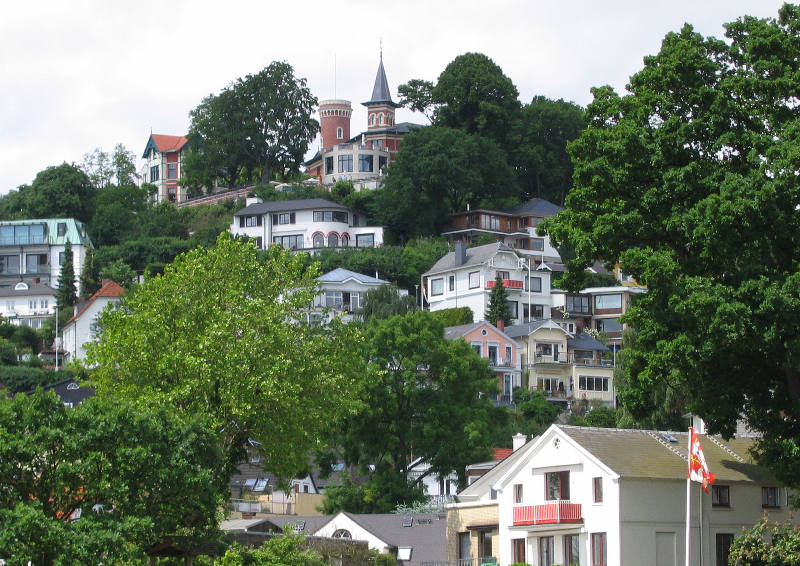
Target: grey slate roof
288,205
453,332
475,256
537,207
484,483
340,275
583,341
648,454
34,289
518,330
380,92
427,535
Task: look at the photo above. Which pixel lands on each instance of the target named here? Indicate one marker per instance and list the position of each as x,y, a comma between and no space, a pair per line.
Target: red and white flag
698,469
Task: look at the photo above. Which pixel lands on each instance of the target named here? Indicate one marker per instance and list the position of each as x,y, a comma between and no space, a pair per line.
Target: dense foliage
258,126
221,333
127,478
690,182
422,397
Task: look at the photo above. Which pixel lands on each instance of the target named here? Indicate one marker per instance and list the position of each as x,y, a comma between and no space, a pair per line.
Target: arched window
333,240
341,533
339,133
372,119
382,119
345,240
318,240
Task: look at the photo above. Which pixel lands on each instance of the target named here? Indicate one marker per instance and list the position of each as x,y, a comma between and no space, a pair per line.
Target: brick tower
334,116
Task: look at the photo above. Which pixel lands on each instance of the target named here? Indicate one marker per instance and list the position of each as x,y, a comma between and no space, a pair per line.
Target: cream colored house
572,367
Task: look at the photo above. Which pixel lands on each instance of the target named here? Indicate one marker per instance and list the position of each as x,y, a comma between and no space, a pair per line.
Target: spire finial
380,41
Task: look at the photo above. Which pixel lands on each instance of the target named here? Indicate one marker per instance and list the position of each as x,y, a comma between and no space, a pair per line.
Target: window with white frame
608,301
437,286
474,279
339,133
592,383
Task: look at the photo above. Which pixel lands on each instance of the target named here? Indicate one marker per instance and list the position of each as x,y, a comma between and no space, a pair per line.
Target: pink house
502,351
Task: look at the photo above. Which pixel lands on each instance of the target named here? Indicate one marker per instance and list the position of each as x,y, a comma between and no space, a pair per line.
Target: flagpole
688,500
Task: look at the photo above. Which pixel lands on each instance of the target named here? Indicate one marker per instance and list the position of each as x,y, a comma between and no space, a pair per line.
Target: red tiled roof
109,288
168,143
501,453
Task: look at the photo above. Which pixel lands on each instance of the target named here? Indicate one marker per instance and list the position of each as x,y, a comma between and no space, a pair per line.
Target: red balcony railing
553,512
507,283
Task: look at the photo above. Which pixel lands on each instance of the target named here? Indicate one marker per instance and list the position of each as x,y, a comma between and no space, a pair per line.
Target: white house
593,496
342,292
82,327
307,224
28,304
413,539
33,250
465,277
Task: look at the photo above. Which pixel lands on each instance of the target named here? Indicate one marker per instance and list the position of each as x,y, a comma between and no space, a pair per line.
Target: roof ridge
663,442
726,449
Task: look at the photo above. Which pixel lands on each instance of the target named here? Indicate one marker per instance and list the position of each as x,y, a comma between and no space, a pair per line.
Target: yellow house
565,366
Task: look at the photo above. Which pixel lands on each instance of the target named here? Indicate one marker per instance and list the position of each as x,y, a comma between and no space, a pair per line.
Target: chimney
519,441
253,200
501,325
461,253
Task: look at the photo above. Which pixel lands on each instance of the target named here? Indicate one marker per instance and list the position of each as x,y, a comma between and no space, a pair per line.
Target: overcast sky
84,74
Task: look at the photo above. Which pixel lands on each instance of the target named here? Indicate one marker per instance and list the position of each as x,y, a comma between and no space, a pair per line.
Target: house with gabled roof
27,303
564,366
465,277
163,155
413,539
594,496
500,349
342,292
83,327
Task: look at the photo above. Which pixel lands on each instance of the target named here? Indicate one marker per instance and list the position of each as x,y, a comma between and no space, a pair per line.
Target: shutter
258,222
274,219
241,222
291,218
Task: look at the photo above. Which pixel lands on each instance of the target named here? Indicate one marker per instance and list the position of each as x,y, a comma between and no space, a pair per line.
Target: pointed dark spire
380,92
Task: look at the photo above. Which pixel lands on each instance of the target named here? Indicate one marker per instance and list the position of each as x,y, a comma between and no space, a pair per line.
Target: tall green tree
67,295
474,95
90,275
543,166
498,303
262,122
421,398
218,334
437,172
690,182
133,476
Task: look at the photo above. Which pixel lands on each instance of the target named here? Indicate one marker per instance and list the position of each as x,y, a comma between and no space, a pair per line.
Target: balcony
569,358
554,512
507,283
501,362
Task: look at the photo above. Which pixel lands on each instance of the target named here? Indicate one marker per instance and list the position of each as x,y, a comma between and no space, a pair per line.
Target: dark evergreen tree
90,276
498,303
66,295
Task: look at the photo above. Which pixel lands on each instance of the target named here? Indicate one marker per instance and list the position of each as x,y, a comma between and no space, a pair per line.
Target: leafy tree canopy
690,182
542,162
384,302
61,191
217,334
420,393
136,475
474,95
767,544
260,123
439,171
